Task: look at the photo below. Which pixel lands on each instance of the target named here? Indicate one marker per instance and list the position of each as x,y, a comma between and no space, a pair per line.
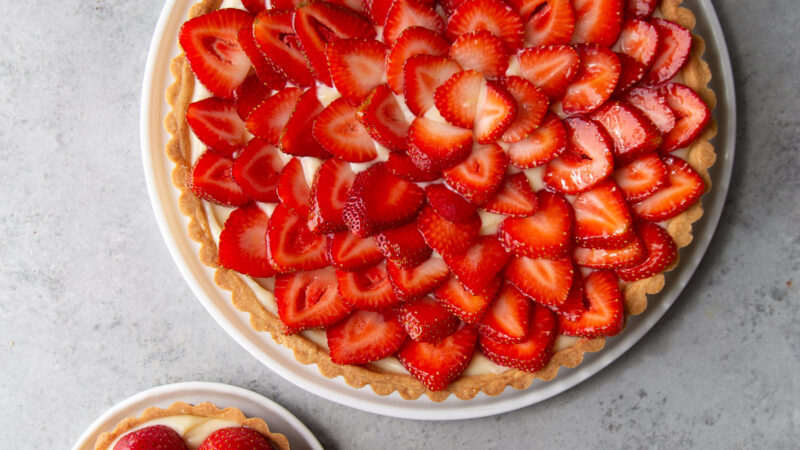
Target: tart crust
205,409
700,155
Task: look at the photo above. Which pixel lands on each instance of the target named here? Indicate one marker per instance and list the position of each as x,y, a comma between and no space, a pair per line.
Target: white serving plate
173,225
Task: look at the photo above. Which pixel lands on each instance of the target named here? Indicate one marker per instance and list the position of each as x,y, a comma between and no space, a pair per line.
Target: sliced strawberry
467,306
255,6
309,300
243,242
507,319
354,5
368,288
292,246
630,73
413,283
641,9
328,193
405,14
296,137
574,306
380,200
292,189
654,106
494,16
209,42
448,204
674,45
477,267
412,41
377,10
496,111
447,237
661,253
602,218
275,37
426,320
338,131
349,252
479,176
532,353
597,21
684,188
404,246
257,170
546,21
435,146
265,71
457,98
543,145
356,66
422,75
401,165
436,365
551,68
605,315
365,336
212,180
588,161
642,177
595,82
545,234
381,115
482,51
217,124
691,112
269,118
248,95
639,40
610,258
630,130
531,108
545,281
515,198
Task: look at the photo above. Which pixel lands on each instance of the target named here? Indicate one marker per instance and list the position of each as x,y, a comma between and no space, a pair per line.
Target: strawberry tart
440,196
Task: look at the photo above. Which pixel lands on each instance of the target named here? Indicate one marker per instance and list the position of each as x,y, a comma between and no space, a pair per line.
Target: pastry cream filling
193,429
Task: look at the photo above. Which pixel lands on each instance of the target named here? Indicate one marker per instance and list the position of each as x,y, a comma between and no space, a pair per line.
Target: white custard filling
193,429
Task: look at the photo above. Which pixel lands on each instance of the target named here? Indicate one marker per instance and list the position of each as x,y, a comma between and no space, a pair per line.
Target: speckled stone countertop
93,308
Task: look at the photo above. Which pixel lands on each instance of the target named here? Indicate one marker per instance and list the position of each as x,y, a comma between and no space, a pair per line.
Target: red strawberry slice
413,283
380,200
154,436
269,118
531,354
478,266
367,289
422,75
507,319
413,41
467,306
292,189
255,6
630,130
515,198
447,237
684,188
674,45
610,258
630,73
482,51
545,234
551,68
448,204
328,194
435,146
479,176
573,307
309,300
531,107
642,177
639,40
405,14
605,315
661,253
217,124
355,5
602,218
275,37
641,9
495,113
248,95
545,281
348,252
436,365
214,55
401,165
691,112
543,145
365,336
597,21
257,170
381,115
457,98
494,16
595,82
356,66
265,71
292,246
546,21
404,246
338,131
212,180
377,10
235,438
426,320
654,106
296,137
588,161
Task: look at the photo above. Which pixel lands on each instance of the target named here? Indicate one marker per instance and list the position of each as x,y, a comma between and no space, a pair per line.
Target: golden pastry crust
205,409
700,155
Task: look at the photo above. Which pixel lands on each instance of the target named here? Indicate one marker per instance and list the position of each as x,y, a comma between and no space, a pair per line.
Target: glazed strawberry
422,75
691,113
435,146
217,124
296,137
413,283
545,234
515,198
477,267
631,131
447,237
212,180
328,194
479,176
545,281
255,6
610,258
367,289
265,71
257,170
404,246
448,204
674,45
356,66
467,306
574,306
494,16
546,21
235,438
639,40
292,246
653,105
405,14
661,253
495,114
292,189
531,354
381,115
551,68
339,132
481,51
457,98
309,300
348,252
684,188
630,73
377,10
154,436
365,336
214,55
380,200
507,319
597,21
587,162
641,9
412,41
642,177
605,314
436,365
426,320
248,95
268,119
401,165
602,218
595,82
273,32
544,144
531,108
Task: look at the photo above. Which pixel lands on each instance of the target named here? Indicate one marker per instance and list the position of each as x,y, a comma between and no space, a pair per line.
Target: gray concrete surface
92,308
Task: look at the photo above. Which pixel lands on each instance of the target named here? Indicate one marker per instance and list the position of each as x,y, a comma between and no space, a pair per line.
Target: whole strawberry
159,437
235,438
